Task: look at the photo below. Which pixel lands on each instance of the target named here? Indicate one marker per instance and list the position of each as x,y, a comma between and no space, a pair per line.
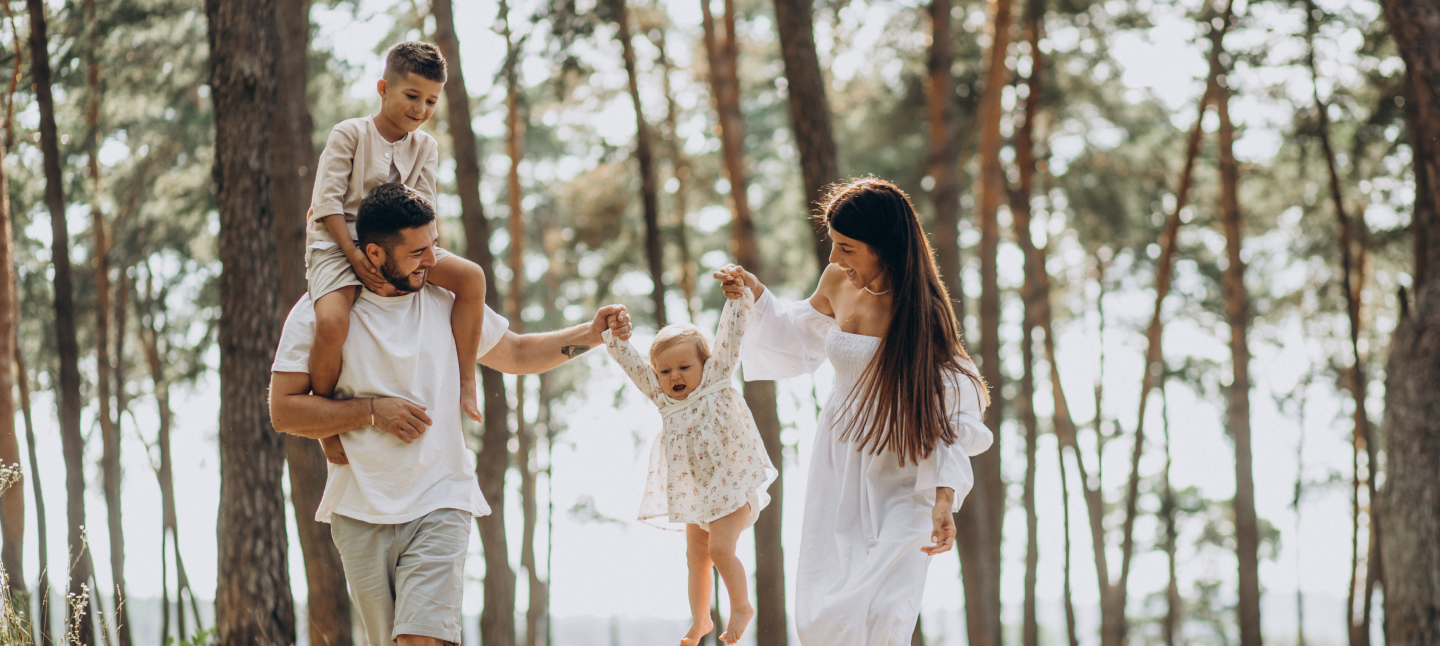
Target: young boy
361,154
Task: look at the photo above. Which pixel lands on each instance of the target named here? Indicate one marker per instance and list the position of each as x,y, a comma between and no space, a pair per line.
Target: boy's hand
366,271
334,450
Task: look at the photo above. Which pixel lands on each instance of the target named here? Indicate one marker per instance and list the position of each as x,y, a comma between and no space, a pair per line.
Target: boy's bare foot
469,402
698,628
739,619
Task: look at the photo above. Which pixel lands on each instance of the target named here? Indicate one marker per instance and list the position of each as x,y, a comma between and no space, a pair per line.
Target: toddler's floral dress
708,460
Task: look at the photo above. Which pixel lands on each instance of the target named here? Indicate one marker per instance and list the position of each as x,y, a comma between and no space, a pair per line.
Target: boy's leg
697,556
467,280
332,325
724,534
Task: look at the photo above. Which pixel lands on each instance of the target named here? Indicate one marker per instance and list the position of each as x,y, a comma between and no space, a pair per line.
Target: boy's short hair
415,57
680,333
388,210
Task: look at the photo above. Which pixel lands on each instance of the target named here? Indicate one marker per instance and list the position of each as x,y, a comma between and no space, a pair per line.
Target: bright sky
603,569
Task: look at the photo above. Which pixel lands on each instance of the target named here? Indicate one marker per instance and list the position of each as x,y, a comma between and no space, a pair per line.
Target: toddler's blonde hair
673,335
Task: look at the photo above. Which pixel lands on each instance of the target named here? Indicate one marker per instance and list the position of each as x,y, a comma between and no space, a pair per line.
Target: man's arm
294,410
526,354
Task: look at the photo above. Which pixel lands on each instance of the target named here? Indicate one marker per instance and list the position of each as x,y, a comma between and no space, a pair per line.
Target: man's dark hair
414,57
388,210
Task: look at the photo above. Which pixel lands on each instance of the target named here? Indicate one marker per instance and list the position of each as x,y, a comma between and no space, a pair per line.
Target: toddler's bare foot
698,628
740,617
469,402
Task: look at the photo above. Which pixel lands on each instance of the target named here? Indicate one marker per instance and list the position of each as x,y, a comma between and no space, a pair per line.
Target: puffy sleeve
635,365
949,465
784,340
429,169
734,321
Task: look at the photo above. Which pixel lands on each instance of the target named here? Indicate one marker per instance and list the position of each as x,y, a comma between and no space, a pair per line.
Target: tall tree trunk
1113,623
1171,626
645,157
809,109
252,603
12,502
68,384
1359,631
770,614
327,602
1412,376
981,521
528,461
1067,597
1020,207
1295,505
497,617
150,334
1237,311
42,586
100,254
917,638
680,166
943,163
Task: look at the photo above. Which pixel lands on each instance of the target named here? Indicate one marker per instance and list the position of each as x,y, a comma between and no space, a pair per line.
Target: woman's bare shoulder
825,292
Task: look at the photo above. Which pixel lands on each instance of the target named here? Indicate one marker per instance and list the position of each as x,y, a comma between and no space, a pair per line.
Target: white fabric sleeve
949,464
636,366
734,321
491,331
784,339
293,354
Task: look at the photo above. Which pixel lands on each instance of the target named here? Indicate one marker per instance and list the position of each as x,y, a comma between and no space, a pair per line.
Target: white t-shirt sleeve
490,334
293,355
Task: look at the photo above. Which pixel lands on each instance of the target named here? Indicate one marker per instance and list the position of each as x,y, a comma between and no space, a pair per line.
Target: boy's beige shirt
354,162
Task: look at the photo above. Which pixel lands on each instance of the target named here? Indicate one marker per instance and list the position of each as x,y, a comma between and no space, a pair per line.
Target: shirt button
387,155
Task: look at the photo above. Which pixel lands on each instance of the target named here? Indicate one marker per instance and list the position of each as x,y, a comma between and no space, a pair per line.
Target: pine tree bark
981,520
810,116
1412,377
1067,597
100,255
12,502
68,383
645,158
497,618
42,586
1237,311
770,614
327,602
1020,208
252,603
1170,627
943,163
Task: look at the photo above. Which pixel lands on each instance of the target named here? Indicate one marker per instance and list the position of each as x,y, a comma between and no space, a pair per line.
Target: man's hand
334,450
734,279
366,271
612,317
943,535
401,418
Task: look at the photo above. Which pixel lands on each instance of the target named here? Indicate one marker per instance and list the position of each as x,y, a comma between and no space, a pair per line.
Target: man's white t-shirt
400,346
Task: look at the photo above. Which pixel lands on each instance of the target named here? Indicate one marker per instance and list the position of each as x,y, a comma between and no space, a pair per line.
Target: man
402,493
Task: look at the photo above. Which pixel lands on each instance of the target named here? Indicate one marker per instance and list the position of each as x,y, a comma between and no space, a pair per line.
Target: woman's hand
734,279
943,535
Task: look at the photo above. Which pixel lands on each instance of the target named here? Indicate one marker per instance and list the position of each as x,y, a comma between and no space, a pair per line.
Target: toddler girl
708,467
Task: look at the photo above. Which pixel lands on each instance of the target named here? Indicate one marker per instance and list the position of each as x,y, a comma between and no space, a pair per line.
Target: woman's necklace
874,293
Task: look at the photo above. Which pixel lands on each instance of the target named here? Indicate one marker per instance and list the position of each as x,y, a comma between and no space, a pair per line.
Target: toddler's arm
638,367
734,320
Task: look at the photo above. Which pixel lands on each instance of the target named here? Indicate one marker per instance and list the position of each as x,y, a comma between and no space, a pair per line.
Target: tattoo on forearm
573,351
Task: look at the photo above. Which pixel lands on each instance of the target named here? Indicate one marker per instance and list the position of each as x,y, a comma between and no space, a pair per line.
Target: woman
891,459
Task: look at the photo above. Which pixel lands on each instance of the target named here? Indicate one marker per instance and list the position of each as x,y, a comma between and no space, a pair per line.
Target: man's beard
399,280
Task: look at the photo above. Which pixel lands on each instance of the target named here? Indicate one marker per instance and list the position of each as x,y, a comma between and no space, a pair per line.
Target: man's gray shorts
406,579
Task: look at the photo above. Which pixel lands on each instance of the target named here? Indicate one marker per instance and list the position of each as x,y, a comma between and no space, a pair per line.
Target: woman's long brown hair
902,390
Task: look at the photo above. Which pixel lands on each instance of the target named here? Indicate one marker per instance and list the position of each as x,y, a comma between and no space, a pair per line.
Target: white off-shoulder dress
861,571
708,460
